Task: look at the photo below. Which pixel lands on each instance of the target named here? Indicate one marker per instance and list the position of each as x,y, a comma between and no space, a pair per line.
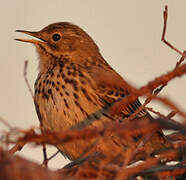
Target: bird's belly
62,109
58,116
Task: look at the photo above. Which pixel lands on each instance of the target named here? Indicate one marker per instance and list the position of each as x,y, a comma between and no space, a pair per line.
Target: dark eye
56,37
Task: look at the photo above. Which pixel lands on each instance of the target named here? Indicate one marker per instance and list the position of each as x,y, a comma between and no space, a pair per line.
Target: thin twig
26,79
6,123
171,114
165,16
16,148
55,154
183,54
155,112
181,60
147,90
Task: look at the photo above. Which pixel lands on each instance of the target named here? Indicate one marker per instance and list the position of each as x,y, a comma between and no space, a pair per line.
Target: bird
76,87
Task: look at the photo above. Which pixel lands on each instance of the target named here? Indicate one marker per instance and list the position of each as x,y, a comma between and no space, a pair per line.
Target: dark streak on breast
38,111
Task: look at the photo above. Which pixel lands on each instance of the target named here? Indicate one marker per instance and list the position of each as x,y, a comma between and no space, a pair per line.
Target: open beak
33,34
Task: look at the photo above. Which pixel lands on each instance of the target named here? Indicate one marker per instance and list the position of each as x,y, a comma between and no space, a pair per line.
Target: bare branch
26,79
165,15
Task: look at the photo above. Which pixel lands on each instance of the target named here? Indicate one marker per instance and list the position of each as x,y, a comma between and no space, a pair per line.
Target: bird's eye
56,37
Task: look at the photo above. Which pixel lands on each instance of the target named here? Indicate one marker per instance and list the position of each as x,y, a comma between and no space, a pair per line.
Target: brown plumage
68,90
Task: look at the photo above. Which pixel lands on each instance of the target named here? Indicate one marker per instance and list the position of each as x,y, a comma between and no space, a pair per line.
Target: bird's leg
45,161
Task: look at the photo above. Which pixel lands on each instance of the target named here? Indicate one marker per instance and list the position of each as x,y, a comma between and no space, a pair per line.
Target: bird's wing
111,87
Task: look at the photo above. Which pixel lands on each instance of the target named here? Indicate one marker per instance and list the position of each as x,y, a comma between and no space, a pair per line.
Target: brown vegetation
157,166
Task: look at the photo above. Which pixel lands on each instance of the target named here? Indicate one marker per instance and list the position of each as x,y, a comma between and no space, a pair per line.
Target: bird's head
61,39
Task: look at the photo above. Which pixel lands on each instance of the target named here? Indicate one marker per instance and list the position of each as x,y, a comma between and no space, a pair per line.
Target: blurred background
128,33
